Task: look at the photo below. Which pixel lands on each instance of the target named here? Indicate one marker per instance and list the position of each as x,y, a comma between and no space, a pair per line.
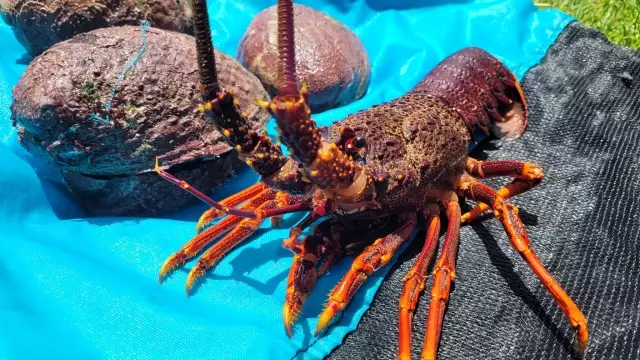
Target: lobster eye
359,142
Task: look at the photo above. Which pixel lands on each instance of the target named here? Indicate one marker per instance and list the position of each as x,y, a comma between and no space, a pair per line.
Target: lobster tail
205,52
483,92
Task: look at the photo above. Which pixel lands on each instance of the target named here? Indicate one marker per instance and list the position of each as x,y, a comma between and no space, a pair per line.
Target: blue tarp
78,287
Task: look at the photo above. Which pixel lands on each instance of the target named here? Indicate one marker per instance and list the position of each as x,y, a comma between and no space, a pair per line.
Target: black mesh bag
582,220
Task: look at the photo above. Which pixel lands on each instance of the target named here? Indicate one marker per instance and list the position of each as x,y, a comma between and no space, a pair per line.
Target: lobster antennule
288,84
205,52
223,109
325,164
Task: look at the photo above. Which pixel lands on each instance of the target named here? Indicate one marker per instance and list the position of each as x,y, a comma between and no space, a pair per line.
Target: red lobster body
418,143
373,173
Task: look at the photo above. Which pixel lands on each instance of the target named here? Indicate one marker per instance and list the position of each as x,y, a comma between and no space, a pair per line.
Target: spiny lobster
386,167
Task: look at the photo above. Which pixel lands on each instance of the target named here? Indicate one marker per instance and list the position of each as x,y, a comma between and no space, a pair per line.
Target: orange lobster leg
331,241
216,205
414,283
321,247
371,259
232,201
527,176
508,216
201,240
244,229
444,274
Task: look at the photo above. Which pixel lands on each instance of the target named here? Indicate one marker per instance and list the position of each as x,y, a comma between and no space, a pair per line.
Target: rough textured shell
416,143
329,56
41,24
155,112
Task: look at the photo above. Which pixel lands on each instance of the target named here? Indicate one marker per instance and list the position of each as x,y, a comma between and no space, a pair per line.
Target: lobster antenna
205,52
286,50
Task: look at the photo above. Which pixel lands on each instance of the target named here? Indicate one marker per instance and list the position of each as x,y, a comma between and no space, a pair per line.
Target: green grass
619,20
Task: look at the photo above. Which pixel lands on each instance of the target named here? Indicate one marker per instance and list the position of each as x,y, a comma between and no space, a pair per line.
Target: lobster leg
508,216
414,282
329,243
527,176
232,201
444,274
204,238
322,247
250,214
238,234
371,259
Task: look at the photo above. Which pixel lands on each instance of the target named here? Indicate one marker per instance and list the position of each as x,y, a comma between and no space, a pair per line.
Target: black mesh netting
582,220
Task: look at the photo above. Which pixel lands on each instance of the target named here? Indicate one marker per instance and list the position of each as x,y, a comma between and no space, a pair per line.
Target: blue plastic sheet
79,287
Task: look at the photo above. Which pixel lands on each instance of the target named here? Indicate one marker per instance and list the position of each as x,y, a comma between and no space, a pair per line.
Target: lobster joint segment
257,150
325,164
